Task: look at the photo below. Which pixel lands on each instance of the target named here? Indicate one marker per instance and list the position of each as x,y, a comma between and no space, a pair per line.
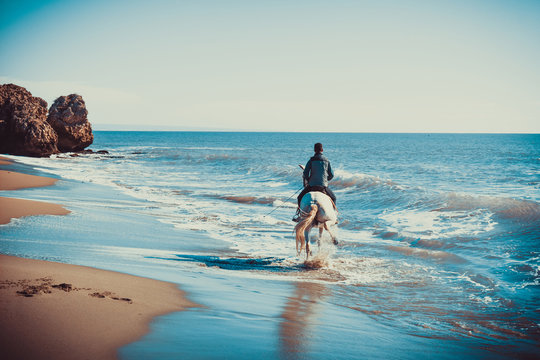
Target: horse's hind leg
332,234
320,236
306,234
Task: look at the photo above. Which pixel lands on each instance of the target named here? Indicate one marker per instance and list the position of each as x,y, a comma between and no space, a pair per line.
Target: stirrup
297,216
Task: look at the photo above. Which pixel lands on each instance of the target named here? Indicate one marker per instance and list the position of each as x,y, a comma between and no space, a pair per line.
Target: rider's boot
296,217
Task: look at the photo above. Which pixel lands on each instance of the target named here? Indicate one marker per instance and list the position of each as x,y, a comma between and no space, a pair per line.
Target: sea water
439,240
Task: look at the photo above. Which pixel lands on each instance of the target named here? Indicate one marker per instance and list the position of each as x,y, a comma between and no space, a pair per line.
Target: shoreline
15,208
11,208
61,311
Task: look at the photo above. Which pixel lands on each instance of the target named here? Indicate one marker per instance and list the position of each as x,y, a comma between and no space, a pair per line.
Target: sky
339,66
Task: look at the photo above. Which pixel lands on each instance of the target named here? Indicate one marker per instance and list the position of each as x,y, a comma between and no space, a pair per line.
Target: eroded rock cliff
68,117
25,128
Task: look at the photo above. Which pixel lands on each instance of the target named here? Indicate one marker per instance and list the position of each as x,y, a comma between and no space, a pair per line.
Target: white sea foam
274,184
438,224
487,300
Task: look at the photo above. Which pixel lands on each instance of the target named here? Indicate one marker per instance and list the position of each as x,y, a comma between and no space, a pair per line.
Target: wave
436,255
506,208
346,180
221,157
286,173
436,225
343,179
216,148
180,154
248,199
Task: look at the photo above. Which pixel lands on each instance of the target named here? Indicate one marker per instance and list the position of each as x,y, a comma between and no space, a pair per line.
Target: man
317,173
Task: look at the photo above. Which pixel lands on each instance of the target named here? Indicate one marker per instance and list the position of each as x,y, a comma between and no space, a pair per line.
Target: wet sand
58,311
10,180
5,161
16,208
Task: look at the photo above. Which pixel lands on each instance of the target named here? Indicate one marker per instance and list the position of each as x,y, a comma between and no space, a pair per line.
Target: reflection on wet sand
299,319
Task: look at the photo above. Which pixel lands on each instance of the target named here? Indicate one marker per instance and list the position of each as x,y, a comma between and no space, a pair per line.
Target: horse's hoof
335,242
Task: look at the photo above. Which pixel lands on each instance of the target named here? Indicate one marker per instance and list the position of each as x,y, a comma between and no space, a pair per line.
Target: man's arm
307,170
330,172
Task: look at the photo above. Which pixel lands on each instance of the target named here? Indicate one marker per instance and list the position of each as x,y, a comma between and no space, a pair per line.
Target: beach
51,310
437,255
15,208
59,311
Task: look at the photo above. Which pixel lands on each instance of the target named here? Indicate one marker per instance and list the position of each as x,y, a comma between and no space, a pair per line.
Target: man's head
318,148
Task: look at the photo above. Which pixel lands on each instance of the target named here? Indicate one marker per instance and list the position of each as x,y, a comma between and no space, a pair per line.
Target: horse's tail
302,226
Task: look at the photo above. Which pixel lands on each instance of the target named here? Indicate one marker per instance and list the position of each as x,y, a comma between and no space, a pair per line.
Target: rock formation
25,128
68,117
23,123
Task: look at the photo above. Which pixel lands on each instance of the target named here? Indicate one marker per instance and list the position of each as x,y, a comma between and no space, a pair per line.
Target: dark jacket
318,171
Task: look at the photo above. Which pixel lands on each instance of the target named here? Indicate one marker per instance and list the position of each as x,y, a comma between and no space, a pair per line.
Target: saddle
319,189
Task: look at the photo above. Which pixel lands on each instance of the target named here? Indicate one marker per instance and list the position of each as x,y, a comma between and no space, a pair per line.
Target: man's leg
304,192
331,194
297,216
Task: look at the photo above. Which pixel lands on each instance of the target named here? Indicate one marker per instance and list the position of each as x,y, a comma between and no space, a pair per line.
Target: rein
277,207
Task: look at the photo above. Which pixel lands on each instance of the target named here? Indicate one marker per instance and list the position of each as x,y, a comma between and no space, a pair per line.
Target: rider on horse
317,173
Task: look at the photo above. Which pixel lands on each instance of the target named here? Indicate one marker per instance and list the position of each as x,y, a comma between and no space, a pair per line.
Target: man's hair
318,148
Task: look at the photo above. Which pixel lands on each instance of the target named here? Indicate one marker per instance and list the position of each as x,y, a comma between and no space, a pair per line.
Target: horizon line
317,132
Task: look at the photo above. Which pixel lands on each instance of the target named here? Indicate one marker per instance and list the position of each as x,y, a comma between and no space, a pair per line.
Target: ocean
438,255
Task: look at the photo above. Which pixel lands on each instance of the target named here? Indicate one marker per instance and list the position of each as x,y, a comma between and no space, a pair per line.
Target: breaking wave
507,208
347,180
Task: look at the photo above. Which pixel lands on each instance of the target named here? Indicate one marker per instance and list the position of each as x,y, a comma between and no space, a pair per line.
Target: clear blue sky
383,66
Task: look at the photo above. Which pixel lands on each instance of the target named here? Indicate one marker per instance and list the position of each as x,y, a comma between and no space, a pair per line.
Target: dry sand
58,311
15,208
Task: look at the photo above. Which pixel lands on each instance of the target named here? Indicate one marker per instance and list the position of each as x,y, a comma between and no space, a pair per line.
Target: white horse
317,209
